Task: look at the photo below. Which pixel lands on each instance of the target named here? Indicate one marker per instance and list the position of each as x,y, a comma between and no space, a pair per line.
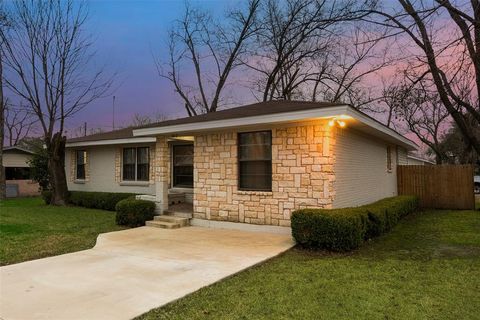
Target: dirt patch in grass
447,251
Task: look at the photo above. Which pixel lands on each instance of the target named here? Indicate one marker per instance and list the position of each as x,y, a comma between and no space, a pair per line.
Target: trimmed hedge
345,229
134,213
98,200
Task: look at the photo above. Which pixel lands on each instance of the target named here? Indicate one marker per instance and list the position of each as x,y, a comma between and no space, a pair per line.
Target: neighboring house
252,164
17,172
414,160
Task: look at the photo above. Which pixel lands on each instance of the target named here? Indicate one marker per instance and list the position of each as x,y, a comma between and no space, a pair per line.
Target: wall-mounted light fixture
339,121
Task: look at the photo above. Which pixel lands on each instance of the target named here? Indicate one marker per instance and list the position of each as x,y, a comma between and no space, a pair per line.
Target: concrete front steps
168,222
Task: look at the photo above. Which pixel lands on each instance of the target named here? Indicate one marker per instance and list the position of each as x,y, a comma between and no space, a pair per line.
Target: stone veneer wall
161,160
302,176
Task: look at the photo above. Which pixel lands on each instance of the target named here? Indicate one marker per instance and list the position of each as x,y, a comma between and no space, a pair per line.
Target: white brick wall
361,169
102,171
402,156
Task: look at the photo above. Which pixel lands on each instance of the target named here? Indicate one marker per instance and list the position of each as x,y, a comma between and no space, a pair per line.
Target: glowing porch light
339,121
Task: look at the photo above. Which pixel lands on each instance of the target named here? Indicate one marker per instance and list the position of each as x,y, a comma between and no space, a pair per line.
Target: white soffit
111,141
378,129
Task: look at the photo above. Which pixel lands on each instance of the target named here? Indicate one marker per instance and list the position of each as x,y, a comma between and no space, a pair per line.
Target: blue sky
127,33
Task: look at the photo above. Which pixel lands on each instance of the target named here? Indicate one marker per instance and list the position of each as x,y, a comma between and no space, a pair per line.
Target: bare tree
141,120
47,55
18,123
198,41
421,111
442,39
82,131
3,25
456,148
3,186
291,34
354,56
295,47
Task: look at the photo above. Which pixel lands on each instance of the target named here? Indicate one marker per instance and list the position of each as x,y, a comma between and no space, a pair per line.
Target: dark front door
183,166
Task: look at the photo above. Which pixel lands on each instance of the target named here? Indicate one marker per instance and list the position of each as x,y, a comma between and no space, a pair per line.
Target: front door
182,164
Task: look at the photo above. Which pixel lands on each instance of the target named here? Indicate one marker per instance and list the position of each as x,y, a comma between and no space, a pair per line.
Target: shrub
47,196
39,167
336,230
345,229
98,200
384,214
134,213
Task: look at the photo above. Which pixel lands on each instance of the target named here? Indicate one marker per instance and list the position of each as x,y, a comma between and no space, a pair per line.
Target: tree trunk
3,186
438,158
56,167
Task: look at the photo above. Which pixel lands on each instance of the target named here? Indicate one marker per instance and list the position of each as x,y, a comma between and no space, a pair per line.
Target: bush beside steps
345,229
93,200
98,200
134,213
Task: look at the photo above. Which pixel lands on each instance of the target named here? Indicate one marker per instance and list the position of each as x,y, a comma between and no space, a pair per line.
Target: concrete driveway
130,272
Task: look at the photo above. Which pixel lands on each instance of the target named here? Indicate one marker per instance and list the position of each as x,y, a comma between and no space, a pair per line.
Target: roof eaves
420,159
243,121
104,142
18,148
371,122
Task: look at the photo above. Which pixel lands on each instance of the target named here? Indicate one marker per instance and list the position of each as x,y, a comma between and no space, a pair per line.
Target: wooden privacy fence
438,186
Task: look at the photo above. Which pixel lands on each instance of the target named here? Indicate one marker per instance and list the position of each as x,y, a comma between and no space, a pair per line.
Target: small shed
17,172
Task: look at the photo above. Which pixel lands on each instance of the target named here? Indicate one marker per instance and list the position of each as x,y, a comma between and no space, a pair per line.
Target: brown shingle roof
256,109
110,135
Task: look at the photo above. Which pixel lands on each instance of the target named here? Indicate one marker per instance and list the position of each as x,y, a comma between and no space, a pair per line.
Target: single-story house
17,172
418,161
251,164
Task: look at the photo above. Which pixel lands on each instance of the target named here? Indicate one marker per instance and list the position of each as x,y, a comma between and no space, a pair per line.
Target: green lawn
30,230
428,267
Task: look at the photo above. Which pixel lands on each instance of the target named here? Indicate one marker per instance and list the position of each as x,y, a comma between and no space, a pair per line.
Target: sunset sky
127,34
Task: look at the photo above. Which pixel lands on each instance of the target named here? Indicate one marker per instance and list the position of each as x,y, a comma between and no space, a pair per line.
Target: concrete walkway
130,272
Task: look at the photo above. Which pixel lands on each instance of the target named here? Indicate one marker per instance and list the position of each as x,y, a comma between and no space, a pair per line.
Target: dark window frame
240,161
175,184
136,164
80,174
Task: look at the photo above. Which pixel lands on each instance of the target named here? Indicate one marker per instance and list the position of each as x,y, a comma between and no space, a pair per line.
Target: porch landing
177,216
183,208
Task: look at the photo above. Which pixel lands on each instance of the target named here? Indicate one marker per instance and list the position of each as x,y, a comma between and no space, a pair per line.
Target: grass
29,229
428,267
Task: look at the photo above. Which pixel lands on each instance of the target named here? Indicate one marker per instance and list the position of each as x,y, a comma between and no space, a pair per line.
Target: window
389,158
17,173
81,156
255,161
136,164
183,166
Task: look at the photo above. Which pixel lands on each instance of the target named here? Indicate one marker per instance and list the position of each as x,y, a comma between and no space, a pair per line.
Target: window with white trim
136,164
81,161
